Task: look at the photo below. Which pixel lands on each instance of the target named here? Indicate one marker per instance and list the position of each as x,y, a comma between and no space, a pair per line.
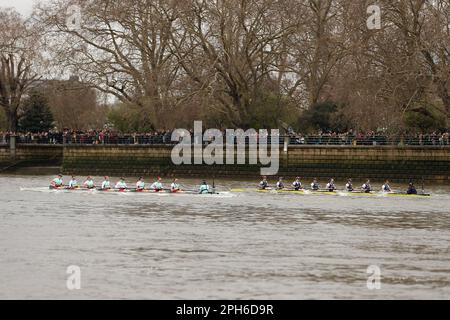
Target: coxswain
73,183
297,185
263,185
121,185
280,184
174,187
106,184
386,187
331,186
349,185
140,184
204,188
315,185
366,187
89,183
157,185
57,182
411,189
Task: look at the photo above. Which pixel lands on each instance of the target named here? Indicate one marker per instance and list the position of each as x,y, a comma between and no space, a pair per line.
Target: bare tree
317,46
229,60
121,49
17,55
230,49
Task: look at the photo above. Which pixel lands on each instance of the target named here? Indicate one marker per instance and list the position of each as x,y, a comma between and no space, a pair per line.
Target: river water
227,246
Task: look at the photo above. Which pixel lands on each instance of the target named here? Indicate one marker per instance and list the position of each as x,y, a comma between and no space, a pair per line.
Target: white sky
23,6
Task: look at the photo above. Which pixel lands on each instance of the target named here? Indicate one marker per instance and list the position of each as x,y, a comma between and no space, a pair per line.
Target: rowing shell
333,193
165,191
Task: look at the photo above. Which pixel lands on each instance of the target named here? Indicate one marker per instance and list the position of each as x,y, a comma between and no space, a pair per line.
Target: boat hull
145,191
333,193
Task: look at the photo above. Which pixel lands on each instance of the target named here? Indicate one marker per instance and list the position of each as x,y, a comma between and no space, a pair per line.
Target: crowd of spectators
164,137
89,137
370,138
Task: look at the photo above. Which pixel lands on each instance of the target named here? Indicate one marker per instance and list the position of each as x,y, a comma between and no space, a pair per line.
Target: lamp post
12,147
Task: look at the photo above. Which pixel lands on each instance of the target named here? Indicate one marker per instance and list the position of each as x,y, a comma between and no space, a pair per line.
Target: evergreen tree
37,115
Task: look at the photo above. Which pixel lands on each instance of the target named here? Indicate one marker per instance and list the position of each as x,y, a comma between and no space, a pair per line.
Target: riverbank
359,162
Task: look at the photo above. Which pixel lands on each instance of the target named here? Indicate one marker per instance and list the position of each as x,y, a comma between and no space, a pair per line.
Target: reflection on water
247,245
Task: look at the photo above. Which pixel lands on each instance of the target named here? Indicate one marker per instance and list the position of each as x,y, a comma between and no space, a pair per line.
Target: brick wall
4,155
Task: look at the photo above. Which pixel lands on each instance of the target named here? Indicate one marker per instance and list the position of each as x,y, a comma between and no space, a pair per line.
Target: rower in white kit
121,185
386,188
315,185
89,183
366,187
280,184
106,184
349,186
157,186
297,185
57,182
140,184
331,187
73,183
175,187
263,185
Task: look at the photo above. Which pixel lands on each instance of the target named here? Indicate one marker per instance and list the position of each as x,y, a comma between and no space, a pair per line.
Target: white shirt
121,185
106,184
73,183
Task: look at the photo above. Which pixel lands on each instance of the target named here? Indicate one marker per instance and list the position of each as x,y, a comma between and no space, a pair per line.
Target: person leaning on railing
164,137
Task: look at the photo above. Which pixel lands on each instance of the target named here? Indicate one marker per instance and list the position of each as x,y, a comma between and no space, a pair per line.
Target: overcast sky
23,6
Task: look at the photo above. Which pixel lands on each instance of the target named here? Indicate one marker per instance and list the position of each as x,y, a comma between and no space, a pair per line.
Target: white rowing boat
127,190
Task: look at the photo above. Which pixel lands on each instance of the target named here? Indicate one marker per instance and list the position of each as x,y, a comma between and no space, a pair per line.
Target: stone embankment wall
374,162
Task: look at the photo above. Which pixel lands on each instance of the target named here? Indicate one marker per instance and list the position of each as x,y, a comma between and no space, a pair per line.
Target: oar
423,186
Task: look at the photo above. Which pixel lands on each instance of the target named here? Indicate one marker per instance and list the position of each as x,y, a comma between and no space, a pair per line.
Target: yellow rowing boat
333,193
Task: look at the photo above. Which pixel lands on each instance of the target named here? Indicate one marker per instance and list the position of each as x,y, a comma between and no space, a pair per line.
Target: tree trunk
13,121
444,95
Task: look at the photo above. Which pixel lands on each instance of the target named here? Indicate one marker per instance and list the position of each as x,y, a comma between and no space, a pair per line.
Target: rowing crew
331,186
121,185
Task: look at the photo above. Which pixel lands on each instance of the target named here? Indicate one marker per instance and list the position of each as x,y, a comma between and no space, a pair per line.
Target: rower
331,186
366,187
121,185
73,184
157,185
106,184
280,184
140,184
315,185
349,185
297,185
89,183
57,182
263,185
386,187
204,188
174,187
411,188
